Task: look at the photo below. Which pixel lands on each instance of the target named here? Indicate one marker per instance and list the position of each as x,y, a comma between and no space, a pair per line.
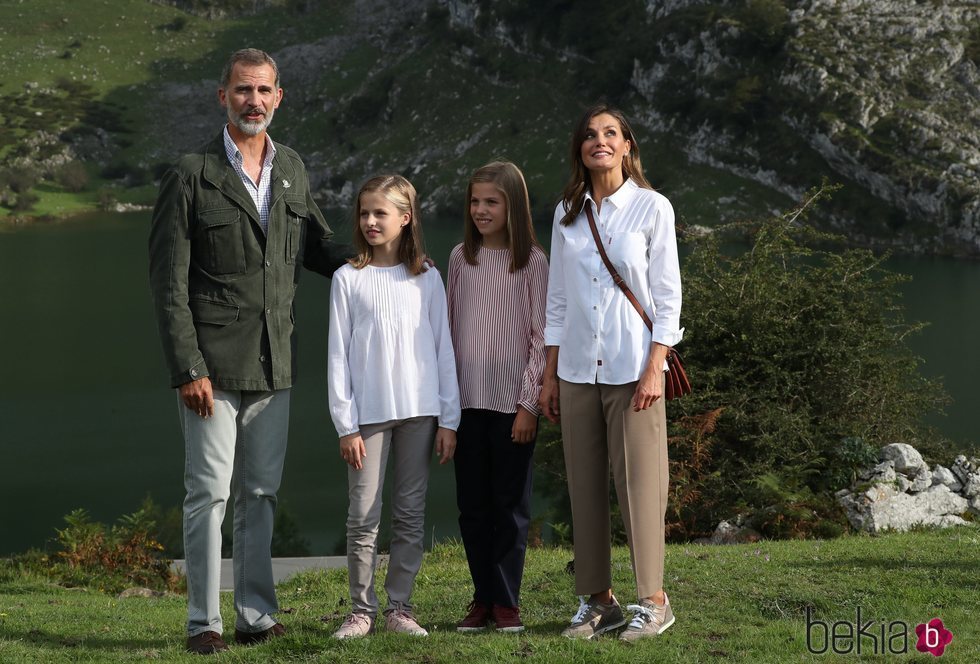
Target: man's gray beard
251,128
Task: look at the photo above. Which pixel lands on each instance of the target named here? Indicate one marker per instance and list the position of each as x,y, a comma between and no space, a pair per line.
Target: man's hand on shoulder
198,396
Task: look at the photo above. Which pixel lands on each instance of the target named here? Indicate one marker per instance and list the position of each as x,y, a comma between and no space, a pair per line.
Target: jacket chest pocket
296,216
221,247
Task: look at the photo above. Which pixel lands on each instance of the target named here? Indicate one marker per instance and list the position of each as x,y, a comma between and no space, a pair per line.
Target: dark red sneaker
508,618
206,643
477,618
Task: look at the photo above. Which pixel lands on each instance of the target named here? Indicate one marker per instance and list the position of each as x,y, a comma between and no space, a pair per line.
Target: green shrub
766,23
804,348
18,180
25,201
168,527
73,177
130,175
175,25
107,198
971,47
91,554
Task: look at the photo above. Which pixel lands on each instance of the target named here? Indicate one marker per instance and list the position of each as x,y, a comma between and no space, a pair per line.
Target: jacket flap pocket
214,313
218,216
297,207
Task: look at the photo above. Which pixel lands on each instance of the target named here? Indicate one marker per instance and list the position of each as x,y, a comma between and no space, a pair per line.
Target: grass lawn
744,603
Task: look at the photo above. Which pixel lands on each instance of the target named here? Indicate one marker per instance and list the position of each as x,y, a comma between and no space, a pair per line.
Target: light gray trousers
239,451
410,443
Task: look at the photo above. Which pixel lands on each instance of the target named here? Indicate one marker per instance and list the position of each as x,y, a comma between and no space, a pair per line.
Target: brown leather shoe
206,643
251,638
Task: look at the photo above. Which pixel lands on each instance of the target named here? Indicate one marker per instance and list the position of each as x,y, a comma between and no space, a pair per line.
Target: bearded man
232,225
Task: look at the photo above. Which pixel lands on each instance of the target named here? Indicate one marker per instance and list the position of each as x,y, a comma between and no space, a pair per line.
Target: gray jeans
410,443
239,450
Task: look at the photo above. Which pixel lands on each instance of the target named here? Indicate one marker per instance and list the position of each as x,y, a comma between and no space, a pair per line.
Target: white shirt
390,351
601,337
260,191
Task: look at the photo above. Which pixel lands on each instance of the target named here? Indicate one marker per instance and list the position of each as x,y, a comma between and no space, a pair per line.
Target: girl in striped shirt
497,288
392,388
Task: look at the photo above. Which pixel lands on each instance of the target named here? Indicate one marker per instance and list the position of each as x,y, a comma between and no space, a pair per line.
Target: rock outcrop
902,492
899,91
885,93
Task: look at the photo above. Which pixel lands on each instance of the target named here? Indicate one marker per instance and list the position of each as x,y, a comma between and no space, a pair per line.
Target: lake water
87,420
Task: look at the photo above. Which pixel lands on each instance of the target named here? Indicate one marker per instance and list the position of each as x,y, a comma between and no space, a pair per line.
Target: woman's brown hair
400,193
580,181
509,181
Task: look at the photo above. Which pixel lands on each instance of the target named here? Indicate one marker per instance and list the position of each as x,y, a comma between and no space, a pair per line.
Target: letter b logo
933,637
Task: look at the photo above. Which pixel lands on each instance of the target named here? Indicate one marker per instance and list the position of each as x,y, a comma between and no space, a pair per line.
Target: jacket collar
222,175
283,177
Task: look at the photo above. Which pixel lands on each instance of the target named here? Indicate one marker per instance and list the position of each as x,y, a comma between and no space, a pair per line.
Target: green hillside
101,96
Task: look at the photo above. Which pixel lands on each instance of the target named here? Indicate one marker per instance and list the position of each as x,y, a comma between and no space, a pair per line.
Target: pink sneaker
356,626
401,621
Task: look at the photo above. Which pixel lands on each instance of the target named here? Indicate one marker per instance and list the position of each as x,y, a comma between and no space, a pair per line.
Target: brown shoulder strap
618,280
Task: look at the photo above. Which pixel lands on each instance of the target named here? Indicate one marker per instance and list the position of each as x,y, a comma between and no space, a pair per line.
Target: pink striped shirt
496,318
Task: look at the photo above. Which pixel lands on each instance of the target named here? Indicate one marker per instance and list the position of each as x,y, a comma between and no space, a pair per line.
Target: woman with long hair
604,375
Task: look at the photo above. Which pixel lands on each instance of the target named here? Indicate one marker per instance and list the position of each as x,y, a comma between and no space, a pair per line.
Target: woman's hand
525,426
352,450
649,388
548,399
445,444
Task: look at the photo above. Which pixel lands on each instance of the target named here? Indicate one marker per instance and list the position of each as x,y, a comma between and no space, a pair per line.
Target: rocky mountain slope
741,106
883,95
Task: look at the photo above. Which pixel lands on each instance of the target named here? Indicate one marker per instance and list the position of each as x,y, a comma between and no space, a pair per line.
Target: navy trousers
493,493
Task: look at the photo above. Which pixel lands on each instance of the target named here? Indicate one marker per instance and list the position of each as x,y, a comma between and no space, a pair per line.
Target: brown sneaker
649,620
507,618
476,619
206,643
593,619
251,638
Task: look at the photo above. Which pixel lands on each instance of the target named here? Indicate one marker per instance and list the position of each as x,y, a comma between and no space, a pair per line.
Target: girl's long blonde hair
400,193
509,181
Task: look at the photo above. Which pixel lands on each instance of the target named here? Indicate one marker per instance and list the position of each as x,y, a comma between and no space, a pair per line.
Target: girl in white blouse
604,374
498,279
392,389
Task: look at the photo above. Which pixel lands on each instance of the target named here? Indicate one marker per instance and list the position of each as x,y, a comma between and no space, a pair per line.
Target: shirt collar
622,195
235,155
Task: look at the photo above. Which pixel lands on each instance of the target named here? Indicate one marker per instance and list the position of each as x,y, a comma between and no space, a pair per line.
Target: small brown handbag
676,383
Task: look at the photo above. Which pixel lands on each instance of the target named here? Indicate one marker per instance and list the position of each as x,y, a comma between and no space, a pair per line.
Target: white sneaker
401,621
356,626
649,619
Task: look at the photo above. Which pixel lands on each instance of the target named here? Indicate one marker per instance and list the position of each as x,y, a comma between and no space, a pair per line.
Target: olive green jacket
223,290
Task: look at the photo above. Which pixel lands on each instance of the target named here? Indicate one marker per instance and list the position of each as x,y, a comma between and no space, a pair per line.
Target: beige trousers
599,429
